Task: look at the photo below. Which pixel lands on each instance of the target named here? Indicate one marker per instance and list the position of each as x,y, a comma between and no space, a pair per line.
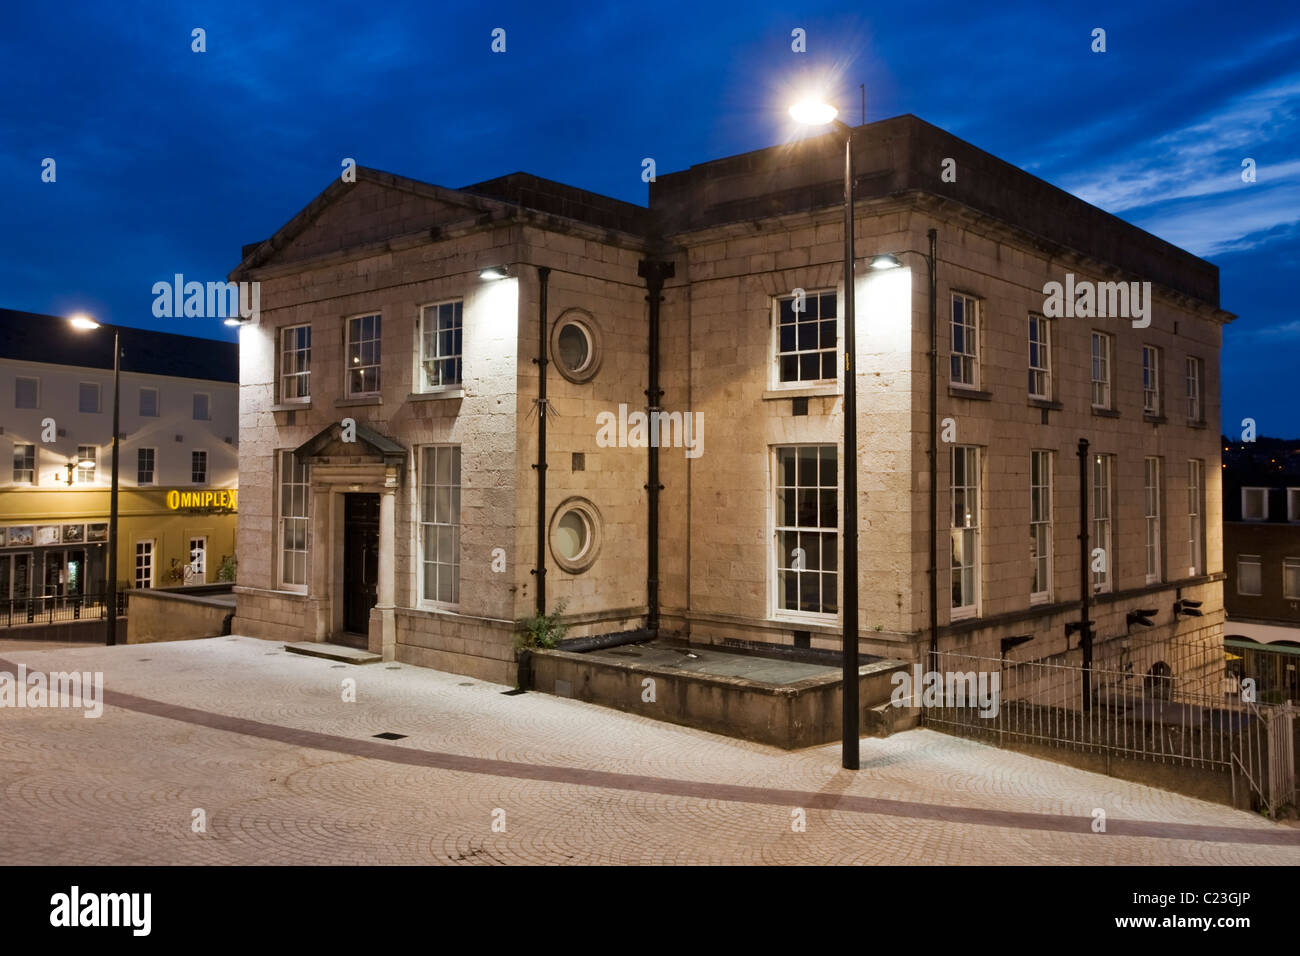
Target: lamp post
811,113
110,584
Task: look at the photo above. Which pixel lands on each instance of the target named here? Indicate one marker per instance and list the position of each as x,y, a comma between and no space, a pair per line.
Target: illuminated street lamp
85,323
818,113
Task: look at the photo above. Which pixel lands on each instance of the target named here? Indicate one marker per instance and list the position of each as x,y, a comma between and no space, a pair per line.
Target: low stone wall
459,644
801,714
159,615
271,615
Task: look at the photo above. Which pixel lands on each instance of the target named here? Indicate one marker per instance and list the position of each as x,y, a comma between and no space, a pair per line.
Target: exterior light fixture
495,272
887,261
233,322
1142,615
813,113
85,323
818,113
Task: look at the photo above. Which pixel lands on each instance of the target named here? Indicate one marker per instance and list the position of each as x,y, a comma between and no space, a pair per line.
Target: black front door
360,561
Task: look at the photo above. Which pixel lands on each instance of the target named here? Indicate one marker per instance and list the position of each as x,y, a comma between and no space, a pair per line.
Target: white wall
59,399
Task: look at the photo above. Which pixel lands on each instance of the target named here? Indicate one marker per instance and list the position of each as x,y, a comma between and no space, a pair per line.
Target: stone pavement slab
284,768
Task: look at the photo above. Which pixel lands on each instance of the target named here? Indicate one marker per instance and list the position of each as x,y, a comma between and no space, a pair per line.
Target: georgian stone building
390,444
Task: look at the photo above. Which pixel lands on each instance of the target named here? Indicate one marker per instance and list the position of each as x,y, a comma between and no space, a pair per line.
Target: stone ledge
333,652
450,393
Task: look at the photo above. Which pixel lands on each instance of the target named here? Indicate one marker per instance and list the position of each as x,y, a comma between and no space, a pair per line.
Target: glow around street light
80,321
885,261
813,113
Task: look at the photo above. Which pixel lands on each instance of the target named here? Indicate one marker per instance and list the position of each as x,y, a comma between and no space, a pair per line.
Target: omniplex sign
210,500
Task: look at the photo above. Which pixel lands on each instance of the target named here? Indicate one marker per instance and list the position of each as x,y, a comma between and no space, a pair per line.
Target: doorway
15,587
196,571
360,566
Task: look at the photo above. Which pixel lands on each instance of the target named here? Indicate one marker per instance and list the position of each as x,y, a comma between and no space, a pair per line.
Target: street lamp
86,323
75,464
817,113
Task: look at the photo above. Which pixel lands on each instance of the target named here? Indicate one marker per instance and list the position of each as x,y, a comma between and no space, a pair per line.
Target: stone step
333,652
885,719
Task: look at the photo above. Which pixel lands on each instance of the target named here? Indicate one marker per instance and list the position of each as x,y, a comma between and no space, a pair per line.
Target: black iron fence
59,609
1173,705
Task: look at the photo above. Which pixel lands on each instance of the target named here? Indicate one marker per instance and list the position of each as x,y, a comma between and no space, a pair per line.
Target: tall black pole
1085,585
933,264
654,272
110,586
850,562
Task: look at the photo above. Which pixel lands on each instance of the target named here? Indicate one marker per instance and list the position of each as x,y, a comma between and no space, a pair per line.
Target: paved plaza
285,770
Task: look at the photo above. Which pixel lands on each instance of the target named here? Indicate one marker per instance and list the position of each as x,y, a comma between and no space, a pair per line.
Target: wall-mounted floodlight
1142,616
83,322
887,261
234,322
1009,642
75,464
1187,607
495,272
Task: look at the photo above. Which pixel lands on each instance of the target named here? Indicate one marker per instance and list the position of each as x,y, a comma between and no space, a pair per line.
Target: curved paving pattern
288,773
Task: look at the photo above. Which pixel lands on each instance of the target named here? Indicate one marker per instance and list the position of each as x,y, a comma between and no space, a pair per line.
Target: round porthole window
575,345
575,535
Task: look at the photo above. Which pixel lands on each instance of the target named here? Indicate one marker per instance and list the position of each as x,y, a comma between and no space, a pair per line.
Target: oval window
572,535
575,535
575,345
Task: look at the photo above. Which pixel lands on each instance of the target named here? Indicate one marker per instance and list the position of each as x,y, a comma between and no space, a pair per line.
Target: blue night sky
169,160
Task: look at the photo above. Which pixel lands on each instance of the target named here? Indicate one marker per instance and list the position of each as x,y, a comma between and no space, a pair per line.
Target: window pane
805,502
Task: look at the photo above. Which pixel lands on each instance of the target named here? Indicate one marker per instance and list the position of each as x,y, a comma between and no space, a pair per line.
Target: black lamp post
821,114
110,585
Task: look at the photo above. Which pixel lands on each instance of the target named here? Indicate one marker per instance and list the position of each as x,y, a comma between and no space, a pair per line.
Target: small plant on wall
175,574
542,630
226,571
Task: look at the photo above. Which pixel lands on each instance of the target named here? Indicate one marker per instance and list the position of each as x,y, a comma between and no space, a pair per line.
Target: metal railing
1169,703
58,609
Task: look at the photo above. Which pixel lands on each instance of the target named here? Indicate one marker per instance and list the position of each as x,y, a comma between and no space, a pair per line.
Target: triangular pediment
377,207
330,444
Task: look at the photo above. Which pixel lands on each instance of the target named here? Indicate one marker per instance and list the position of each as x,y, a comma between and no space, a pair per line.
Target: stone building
179,399
1261,556
390,396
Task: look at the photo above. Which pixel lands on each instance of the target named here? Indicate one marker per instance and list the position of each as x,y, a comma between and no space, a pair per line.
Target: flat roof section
34,337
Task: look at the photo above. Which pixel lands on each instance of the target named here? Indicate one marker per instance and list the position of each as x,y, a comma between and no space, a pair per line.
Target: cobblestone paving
287,772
